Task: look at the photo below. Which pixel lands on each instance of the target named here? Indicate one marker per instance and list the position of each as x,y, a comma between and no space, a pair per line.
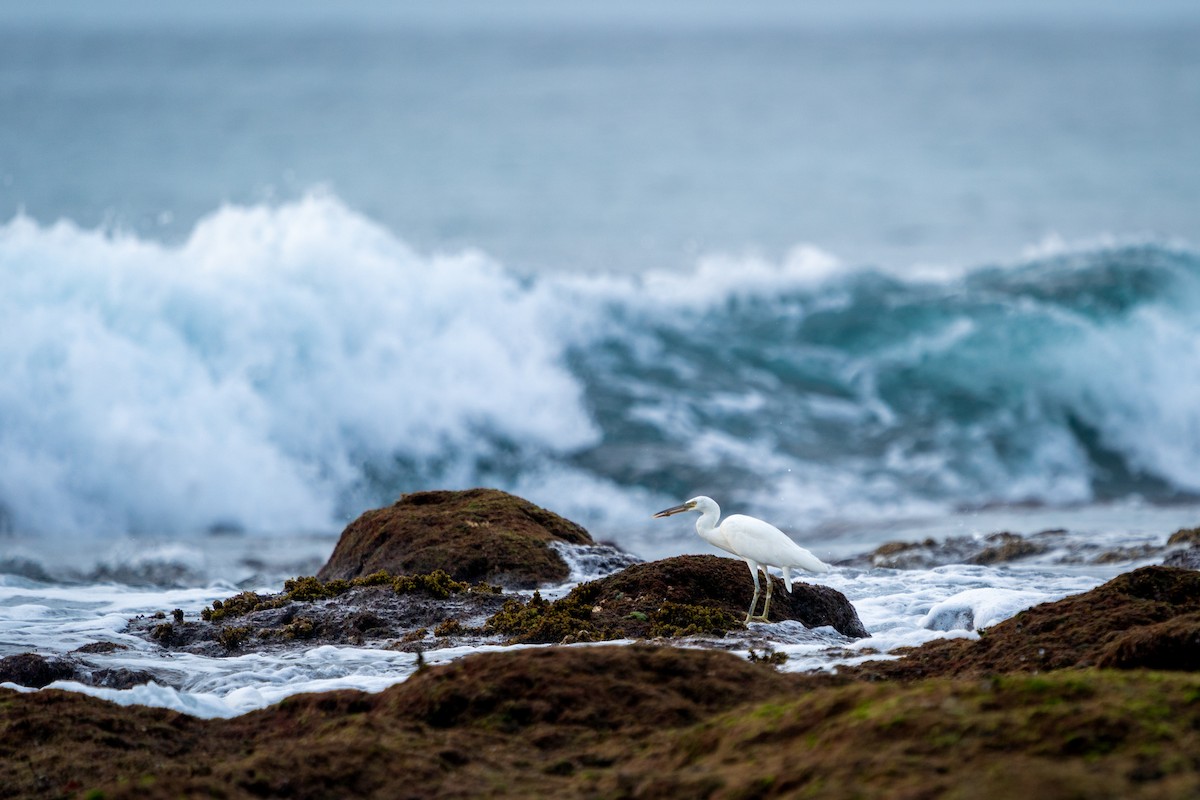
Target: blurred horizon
471,13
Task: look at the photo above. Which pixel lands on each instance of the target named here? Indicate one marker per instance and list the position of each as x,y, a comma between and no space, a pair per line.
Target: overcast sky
641,12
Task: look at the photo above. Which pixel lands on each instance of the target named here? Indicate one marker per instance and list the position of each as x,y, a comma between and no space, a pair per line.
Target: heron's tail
806,561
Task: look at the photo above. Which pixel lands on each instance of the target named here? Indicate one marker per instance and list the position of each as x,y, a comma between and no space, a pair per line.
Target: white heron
760,544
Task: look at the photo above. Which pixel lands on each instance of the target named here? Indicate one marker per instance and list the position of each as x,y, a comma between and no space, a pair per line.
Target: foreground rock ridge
635,721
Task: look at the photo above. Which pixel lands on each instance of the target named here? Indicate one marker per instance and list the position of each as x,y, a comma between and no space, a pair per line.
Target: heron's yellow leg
767,602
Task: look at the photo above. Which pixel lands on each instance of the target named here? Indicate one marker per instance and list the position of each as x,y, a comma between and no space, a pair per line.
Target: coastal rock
36,671
525,723
1187,556
402,612
1170,645
626,722
474,535
607,688
1005,547
1133,620
995,548
1184,536
1184,559
680,596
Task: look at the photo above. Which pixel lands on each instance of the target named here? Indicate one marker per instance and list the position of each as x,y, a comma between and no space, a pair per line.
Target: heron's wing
763,542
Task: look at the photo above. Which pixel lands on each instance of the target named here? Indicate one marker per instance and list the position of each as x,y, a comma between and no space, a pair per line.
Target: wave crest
287,366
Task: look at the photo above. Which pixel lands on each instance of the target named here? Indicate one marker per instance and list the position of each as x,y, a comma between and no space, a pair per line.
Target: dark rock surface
36,671
1182,549
428,611
473,535
1184,559
1170,645
995,548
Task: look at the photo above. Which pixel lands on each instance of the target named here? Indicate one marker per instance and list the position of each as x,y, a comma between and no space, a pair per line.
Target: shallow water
898,607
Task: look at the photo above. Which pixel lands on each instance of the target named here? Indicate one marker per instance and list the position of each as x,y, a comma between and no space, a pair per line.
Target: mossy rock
1170,645
1189,536
474,535
680,596
629,722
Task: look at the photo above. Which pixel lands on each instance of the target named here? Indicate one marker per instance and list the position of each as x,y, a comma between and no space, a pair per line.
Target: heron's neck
706,526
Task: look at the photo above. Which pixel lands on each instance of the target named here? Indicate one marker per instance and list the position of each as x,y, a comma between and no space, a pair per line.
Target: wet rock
1186,552
386,610
474,535
1134,619
1121,555
680,596
120,678
1184,536
526,723
34,670
588,561
37,671
1004,547
960,618
100,647
1184,559
995,548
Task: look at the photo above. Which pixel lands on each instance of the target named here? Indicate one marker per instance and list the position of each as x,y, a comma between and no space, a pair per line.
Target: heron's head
700,504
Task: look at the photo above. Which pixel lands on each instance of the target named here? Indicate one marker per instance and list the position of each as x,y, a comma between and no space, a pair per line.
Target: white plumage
760,544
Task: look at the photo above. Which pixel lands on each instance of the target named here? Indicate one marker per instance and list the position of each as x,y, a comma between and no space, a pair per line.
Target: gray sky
456,13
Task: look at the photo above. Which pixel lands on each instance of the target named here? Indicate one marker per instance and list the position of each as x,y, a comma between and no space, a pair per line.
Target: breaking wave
287,366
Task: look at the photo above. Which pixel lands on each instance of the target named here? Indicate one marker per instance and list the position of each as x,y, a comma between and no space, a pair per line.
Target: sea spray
288,366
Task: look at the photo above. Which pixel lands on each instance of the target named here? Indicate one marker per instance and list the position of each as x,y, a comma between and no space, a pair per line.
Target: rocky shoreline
1095,695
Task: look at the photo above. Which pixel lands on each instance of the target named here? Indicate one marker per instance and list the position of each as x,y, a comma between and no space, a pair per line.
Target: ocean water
868,281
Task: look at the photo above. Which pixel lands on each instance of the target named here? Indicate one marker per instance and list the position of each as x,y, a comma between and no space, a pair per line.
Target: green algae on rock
679,596
473,535
308,610
630,722
310,589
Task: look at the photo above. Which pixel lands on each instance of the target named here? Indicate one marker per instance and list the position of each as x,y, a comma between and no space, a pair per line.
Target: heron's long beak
666,512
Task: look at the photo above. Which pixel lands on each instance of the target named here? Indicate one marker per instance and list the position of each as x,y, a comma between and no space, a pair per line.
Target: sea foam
287,366
258,375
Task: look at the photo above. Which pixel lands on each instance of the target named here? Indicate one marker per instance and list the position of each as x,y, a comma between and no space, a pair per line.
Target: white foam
244,377
974,609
